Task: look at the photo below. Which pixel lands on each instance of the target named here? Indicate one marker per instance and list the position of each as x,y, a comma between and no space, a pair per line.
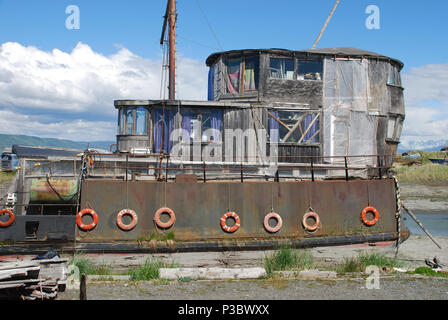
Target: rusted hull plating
198,208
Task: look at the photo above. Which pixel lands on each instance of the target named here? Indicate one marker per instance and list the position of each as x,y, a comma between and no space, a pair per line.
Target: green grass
149,270
428,272
6,176
363,260
426,173
85,266
287,258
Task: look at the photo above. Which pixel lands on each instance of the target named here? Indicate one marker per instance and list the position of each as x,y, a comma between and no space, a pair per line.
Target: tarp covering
349,129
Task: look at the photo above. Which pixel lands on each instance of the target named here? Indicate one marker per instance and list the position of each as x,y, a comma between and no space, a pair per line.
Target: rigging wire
198,43
209,25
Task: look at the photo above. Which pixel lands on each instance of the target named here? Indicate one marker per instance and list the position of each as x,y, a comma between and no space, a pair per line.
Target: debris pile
38,279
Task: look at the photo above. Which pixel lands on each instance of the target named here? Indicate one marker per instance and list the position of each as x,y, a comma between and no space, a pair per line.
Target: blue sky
412,31
124,35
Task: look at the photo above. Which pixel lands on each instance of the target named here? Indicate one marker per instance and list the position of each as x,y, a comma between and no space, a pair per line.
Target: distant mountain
429,145
7,140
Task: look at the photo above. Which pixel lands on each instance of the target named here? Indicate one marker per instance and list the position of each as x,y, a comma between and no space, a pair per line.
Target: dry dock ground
392,286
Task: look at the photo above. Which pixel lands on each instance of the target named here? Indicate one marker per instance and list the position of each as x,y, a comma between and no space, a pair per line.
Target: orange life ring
11,218
313,227
364,218
90,226
233,228
164,225
130,226
273,215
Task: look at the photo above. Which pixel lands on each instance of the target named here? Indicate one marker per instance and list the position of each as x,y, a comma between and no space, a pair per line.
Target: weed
288,259
149,270
85,266
185,279
363,260
428,272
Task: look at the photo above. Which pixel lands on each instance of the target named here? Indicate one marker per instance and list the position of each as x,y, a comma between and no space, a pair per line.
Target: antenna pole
172,48
325,25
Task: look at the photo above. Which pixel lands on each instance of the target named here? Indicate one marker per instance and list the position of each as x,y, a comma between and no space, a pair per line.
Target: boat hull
199,207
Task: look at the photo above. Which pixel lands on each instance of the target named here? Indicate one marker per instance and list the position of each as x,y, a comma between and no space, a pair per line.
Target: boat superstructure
291,147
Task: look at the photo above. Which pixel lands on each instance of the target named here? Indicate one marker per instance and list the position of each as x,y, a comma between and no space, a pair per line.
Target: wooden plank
11,286
16,265
6,274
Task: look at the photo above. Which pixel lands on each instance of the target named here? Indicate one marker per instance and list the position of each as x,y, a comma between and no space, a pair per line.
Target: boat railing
165,167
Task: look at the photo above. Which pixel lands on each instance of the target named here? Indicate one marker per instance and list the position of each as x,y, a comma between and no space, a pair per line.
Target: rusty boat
292,147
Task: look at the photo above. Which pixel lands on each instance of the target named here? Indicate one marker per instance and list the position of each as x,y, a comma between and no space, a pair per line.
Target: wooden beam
309,127
291,131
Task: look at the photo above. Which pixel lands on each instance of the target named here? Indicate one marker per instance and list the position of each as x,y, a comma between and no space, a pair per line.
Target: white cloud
82,82
426,102
77,130
426,83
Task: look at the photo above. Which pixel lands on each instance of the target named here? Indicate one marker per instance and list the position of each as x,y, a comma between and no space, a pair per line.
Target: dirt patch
425,198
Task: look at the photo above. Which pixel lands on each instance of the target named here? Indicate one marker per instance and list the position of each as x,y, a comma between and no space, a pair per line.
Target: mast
170,17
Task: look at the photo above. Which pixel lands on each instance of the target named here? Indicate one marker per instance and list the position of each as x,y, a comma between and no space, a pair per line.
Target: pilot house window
132,121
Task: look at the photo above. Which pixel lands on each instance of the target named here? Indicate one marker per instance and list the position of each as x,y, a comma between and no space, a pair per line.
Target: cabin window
309,70
202,125
394,128
301,127
140,121
242,74
280,68
394,76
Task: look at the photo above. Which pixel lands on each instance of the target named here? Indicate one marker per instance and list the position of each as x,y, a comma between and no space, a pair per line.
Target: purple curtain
211,82
274,127
216,123
165,123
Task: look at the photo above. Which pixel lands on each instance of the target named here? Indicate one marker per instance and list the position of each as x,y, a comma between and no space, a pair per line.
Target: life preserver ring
364,218
233,228
164,225
11,218
313,227
82,213
273,215
130,226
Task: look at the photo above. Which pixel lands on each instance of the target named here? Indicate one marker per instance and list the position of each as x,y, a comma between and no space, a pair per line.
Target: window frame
301,142
241,83
398,127
123,121
297,60
199,113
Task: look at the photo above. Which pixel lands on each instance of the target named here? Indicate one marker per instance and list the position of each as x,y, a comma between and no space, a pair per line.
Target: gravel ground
390,288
